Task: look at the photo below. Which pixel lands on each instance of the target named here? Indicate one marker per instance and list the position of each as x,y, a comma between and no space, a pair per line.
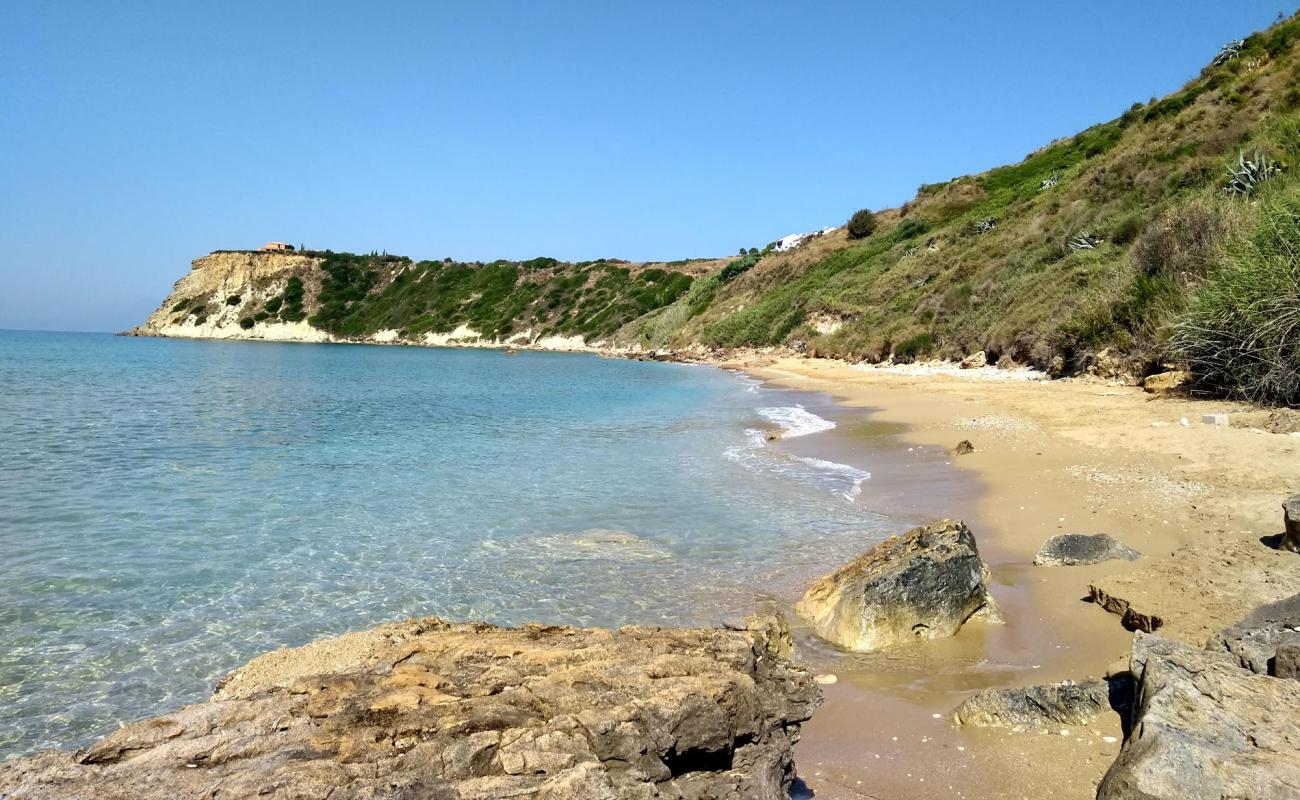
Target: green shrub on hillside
861,225
1182,242
292,300
739,266
910,349
1241,335
910,228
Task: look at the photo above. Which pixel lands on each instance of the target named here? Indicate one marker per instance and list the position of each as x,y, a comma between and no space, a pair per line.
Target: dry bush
1182,242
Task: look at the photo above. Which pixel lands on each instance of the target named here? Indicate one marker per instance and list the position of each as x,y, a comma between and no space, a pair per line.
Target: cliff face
224,288
328,296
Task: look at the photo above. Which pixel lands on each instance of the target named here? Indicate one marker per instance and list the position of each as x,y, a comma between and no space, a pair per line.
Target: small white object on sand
826,679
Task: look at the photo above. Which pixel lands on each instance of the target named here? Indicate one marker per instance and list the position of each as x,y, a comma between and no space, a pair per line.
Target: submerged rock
1203,728
1078,549
923,584
429,709
1262,638
1043,707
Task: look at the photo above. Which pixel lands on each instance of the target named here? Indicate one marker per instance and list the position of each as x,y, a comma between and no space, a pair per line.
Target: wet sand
1050,458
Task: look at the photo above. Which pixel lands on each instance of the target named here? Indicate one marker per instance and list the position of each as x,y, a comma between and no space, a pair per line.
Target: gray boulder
1044,707
923,584
427,709
1203,728
1077,549
1264,636
1291,523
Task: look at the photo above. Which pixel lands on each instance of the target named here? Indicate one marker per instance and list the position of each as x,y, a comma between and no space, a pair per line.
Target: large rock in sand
1203,728
922,584
1044,707
1079,549
1291,524
1256,641
427,709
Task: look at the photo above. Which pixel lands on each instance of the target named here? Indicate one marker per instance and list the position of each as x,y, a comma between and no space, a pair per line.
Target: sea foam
796,421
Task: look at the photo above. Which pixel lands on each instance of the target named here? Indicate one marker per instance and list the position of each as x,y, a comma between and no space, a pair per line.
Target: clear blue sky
137,136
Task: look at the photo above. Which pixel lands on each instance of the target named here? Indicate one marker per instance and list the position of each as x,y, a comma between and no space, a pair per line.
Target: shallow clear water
169,509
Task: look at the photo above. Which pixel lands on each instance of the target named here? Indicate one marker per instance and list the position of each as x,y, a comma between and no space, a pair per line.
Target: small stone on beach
826,679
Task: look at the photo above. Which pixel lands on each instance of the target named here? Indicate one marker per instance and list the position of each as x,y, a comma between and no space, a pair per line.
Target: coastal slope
326,296
1157,238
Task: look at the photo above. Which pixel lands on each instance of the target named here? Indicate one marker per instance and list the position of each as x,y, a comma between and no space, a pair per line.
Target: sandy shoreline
1051,457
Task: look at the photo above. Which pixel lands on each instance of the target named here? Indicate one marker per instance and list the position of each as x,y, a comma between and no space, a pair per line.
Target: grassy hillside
353,295
1101,241
1166,236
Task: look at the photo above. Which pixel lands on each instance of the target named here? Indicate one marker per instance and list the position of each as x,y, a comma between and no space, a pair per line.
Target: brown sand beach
1199,501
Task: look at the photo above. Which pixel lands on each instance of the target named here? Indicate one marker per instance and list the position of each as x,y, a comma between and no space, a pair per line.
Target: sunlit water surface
169,509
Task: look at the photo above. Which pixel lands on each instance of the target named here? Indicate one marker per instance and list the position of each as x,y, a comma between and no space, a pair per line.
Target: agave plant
1049,183
1085,241
1229,51
985,225
1250,171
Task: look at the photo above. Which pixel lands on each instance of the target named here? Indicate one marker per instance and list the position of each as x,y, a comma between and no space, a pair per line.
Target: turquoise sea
169,509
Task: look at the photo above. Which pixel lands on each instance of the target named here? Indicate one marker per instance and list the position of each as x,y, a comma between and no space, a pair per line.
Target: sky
137,136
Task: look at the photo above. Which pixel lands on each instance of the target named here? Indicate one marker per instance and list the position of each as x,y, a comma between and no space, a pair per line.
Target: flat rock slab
429,709
1078,549
1199,590
1255,641
1046,707
1203,728
923,584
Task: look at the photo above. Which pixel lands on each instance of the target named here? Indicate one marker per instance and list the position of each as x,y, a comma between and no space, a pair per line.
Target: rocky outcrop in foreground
1205,729
1264,641
923,584
427,709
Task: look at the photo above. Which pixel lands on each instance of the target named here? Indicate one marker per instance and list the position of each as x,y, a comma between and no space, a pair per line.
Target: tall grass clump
1241,334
